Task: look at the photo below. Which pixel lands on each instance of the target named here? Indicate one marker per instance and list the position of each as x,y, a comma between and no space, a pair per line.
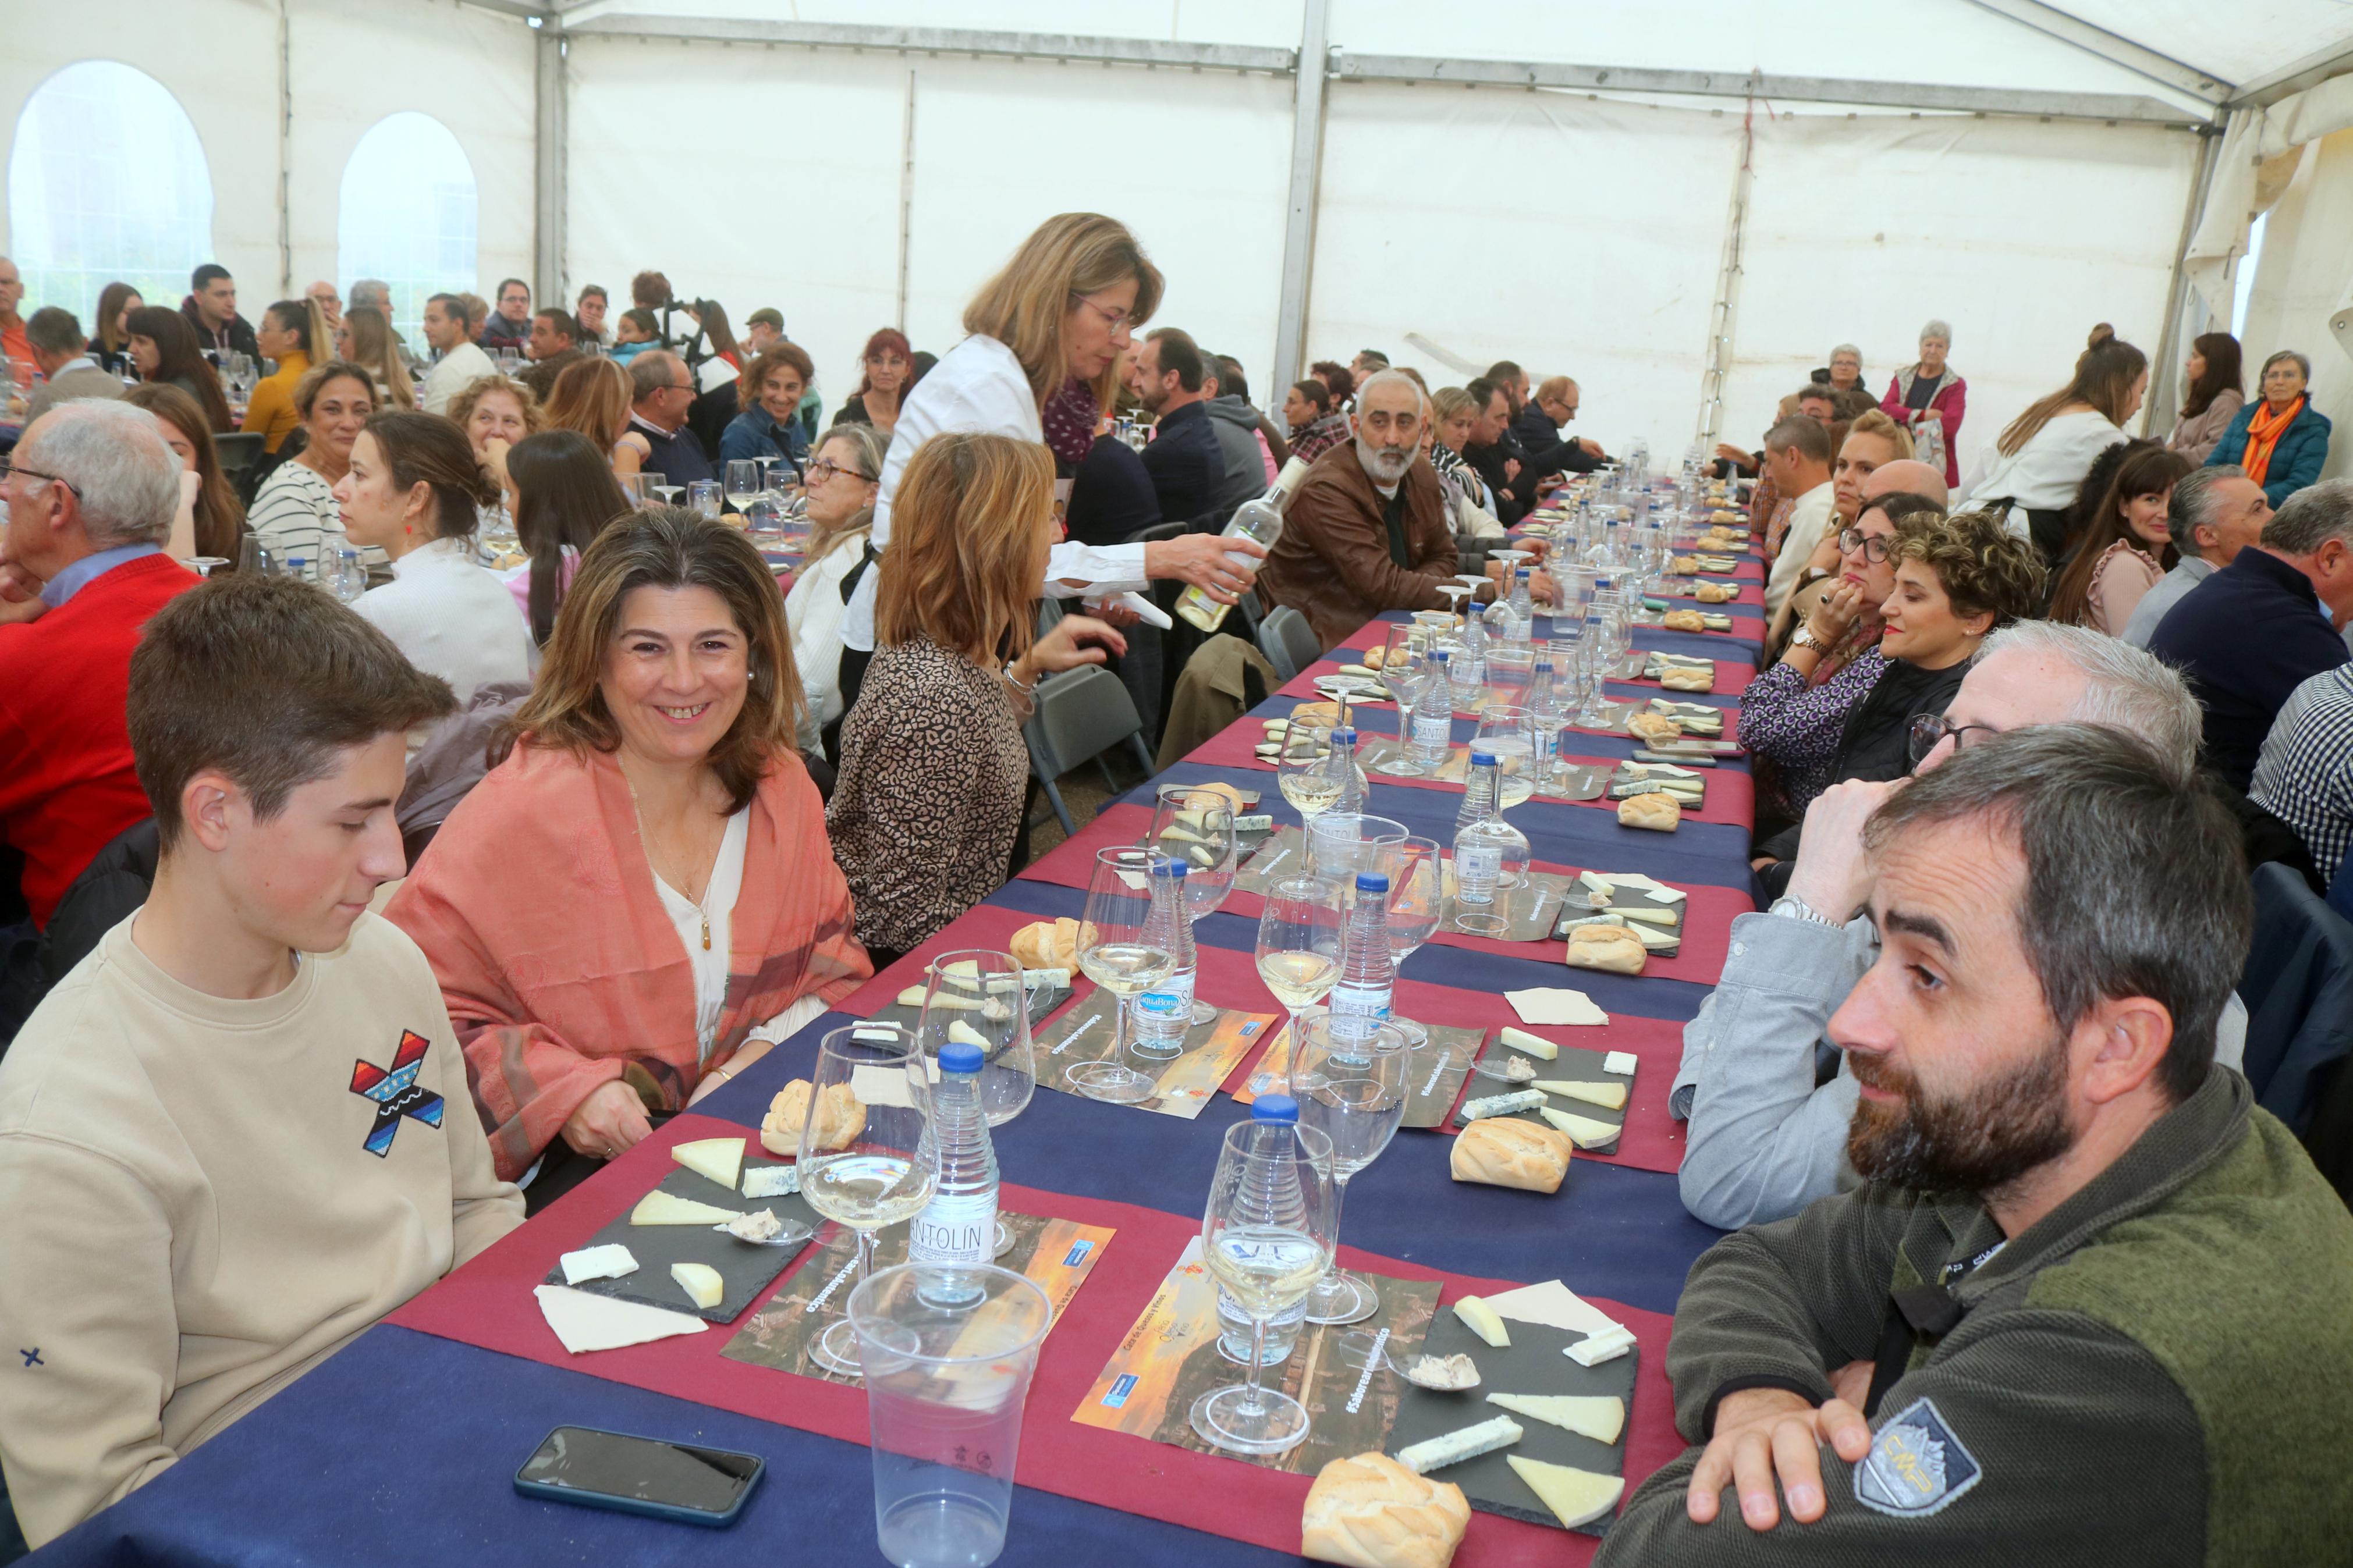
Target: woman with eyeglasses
1050,328
1791,715
2281,440
840,482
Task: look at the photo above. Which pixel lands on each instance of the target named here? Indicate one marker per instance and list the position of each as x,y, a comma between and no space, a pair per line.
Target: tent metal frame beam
1299,211
1076,50
2295,77
2053,22
551,137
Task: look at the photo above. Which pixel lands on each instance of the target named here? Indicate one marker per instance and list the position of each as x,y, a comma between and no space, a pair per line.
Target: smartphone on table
653,1476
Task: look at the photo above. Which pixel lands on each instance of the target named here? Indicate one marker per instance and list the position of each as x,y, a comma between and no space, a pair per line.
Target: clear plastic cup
945,1389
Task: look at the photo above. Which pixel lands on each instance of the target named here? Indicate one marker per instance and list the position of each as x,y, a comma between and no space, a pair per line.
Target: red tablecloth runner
489,1303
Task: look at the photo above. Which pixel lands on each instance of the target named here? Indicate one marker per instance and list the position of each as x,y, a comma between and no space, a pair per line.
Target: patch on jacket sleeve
1916,1465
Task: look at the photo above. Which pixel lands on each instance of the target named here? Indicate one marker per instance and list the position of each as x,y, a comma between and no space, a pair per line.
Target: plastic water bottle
298,568
1233,1323
1433,716
959,1225
1165,1013
1488,852
1342,760
1360,1000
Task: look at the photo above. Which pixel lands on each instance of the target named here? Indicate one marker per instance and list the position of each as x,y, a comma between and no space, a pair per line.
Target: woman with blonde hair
638,902
1050,328
840,479
934,774
2035,466
592,397
495,411
365,339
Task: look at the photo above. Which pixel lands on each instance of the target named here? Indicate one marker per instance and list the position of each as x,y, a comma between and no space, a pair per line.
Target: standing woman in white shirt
1059,313
412,489
2036,466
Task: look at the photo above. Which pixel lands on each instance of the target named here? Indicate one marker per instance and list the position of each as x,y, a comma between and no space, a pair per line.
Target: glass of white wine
869,1102
1114,954
1298,952
743,486
1266,1234
1306,783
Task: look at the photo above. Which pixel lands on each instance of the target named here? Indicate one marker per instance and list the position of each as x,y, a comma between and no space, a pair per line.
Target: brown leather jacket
1332,564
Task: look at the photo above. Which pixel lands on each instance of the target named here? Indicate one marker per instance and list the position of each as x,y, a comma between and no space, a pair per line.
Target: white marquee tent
1684,203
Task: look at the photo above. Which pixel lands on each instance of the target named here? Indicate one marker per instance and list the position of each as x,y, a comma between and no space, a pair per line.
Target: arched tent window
406,215
106,181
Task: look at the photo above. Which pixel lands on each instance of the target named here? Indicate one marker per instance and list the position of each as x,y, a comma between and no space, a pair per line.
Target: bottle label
1356,1010
955,1228
1433,722
1476,867
1167,1006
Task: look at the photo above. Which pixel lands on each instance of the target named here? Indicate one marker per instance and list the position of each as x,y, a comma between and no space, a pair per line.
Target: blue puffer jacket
2296,459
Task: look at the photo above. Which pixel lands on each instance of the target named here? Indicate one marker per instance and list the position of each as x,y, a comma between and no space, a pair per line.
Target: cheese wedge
1643,915
701,1283
721,1159
912,996
1575,1497
659,1207
1595,1349
1500,1104
588,1322
963,1034
610,1261
1436,1453
1482,1320
1610,1096
963,972
1521,1040
1621,1061
1601,1417
772,1181
1583,1131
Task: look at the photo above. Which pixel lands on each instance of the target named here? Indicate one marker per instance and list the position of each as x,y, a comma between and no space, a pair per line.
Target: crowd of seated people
2020,749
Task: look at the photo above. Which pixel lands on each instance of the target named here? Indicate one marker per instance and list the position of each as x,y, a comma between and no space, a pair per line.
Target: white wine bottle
1260,519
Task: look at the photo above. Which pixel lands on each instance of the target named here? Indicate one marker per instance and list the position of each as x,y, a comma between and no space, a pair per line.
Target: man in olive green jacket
2093,1306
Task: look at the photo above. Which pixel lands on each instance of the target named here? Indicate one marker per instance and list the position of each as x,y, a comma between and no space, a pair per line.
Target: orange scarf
2262,435
535,906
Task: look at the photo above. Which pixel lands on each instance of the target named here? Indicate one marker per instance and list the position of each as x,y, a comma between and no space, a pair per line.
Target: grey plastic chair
1288,643
1081,714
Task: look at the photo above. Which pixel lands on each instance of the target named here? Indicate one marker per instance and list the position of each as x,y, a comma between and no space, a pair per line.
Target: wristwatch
1804,637
1797,909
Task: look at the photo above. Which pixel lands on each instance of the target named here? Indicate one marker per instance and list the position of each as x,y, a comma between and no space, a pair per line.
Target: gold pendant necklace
702,905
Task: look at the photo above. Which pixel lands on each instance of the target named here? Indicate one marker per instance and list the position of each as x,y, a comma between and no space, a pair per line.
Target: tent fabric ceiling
1944,39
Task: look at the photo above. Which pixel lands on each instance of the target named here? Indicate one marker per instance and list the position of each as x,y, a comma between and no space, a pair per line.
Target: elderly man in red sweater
90,492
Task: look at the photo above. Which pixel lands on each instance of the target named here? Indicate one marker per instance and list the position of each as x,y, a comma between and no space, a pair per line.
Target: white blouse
452,617
710,964
2044,474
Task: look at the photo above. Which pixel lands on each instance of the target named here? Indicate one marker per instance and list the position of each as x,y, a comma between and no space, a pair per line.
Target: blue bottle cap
1345,735
1278,1109
1482,759
1441,654
1170,867
959,1057
1525,569
1372,882
1543,666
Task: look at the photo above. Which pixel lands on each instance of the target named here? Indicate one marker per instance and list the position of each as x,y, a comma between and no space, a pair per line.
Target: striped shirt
2304,775
295,514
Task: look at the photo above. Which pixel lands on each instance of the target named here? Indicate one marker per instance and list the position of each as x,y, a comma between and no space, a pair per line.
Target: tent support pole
285,151
1726,311
551,132
906,196
1299,217
2164,391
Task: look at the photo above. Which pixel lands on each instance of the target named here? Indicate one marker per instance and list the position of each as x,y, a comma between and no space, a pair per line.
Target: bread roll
1374,656
1502,1152
1653,727
1659,813
1233,798
1715,592
1683,565
1046,944
1613,948
1684,621
780,1131
1372,1512
1683,677
1316,716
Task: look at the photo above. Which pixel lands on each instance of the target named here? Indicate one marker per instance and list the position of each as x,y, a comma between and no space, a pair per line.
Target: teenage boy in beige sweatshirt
238,1133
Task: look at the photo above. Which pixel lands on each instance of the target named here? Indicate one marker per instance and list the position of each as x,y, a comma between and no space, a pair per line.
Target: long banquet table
400,1449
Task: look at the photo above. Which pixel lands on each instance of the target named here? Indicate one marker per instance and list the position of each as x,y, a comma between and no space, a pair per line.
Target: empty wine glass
1405,670
1340,844
860,1148
1510,734
1352,1088
1266,1233
1112,954
1197,827
702,496
206,565
660,484
1416,899
1298,949
998,1025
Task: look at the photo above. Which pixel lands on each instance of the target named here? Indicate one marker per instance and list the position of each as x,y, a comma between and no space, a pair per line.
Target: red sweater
67,786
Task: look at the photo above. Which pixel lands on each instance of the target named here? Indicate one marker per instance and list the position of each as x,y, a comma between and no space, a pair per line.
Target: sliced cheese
659,1207
1648,916
610,1261
912,996
1583,1131
1436,1453
963,1034
1600,1417
1621,1061
701,1283
1595,1349
772,1181
1521,1040
1482,1320
1575,1497
721,1159
1609,1096
585,1323
1501,1104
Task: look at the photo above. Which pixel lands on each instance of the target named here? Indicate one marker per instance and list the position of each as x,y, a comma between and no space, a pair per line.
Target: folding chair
1081,714
1288,643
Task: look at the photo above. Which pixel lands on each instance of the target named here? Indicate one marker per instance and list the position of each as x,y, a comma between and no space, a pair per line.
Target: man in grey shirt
2213,514
1768,1097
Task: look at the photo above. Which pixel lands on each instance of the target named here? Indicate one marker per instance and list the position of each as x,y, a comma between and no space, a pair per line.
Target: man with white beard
1366,531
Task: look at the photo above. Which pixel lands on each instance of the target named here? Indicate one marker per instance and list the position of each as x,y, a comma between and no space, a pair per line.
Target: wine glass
660,484
1510,670
1352,1088
999,1026
1455,591
206,565
860,1158
1405,670
1111,953
1197,827
1298,949
1310,787
744,485
1416,899
1342,842
702,496
1266,1233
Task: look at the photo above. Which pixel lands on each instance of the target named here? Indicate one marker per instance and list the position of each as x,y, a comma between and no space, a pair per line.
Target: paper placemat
1056,1253
1212,1051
